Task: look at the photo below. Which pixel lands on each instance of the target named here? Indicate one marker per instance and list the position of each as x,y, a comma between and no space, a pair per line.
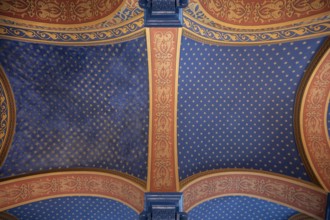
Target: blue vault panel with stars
236,106
78,107
74,208
240,208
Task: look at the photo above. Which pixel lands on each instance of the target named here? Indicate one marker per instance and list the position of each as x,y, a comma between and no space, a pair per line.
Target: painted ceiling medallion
7,118
267,12
60,11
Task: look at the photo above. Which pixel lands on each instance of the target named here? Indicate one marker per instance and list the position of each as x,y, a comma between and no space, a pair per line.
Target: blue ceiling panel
240,208
78,107
74,208
236,104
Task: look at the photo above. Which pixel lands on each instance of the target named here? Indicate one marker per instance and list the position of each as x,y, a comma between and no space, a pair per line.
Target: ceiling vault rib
31,188
294,193
163,60
8,116
316,138
7,216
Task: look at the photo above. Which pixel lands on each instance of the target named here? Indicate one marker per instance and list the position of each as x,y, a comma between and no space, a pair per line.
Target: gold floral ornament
7,117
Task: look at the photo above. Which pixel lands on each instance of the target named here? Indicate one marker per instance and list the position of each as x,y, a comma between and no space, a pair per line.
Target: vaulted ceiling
232,109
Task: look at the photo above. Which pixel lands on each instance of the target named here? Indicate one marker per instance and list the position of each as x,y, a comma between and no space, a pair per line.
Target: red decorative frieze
313,124
268,12
8,116
163,52
71,183
59,11
296,194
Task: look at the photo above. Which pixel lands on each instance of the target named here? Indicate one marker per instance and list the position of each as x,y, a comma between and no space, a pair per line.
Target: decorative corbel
163,13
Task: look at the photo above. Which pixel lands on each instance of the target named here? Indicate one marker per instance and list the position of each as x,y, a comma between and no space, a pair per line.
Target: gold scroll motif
261,12
112,35
129,11
59,11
